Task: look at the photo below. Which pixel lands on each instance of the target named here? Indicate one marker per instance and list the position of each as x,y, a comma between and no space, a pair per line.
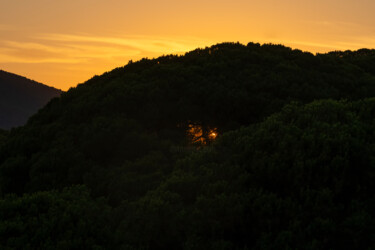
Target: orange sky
63,43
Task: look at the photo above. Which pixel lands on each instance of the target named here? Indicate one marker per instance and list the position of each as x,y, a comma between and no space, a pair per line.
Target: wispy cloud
342,35
142,43
31,52
68,48
75,58
320,47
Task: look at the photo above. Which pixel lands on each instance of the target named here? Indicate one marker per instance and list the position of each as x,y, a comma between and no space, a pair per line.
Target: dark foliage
54,220
282,174
3,136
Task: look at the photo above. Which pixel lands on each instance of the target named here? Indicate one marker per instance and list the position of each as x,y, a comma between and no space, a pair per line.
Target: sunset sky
63,43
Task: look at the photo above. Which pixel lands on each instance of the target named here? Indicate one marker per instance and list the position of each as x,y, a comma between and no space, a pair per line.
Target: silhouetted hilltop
20,98
227,147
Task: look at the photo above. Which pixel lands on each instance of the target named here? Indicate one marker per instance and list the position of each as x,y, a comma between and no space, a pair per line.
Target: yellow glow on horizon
63,43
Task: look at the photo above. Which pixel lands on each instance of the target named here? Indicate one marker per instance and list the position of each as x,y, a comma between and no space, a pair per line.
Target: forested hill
228,147
20,98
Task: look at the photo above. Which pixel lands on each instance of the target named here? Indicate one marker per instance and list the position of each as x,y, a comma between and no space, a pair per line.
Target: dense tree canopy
227,147
3,136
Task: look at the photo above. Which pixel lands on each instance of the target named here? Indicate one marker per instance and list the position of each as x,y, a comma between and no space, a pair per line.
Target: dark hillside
227,85
129,112
3,136
20,98
227,147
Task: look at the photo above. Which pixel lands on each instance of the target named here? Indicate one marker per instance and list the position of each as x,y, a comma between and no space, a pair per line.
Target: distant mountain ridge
20,98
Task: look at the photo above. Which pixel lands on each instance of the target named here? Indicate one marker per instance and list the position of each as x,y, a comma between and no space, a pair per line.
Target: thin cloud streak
66,48
334,45
76,58
144,43
75,49
79,56
60,53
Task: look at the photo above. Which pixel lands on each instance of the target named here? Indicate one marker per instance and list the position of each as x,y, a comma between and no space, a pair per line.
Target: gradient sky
63,43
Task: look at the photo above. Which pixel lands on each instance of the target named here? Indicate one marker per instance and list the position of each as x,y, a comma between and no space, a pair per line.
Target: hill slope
130,159
20,98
